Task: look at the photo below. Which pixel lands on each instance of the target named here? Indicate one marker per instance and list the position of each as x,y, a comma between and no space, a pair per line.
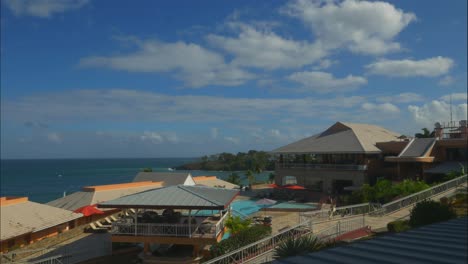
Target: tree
236,224
148,169
426,134
250,177
271,177
234,178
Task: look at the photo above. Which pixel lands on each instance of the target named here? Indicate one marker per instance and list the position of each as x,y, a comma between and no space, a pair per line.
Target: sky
105,79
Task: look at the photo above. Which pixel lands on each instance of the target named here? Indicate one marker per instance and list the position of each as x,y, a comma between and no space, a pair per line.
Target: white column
136,221
190,222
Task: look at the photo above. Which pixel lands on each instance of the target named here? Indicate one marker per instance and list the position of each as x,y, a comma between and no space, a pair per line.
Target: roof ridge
358,139
198,195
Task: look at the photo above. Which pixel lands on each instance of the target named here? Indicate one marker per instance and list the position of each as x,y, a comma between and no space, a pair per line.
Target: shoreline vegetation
255,161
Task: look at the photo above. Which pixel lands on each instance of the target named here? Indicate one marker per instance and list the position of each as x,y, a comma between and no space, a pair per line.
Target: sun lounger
108,220
97,229
113,218
99,224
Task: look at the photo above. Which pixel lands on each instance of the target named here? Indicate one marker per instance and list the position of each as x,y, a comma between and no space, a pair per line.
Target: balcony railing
172,230
321,166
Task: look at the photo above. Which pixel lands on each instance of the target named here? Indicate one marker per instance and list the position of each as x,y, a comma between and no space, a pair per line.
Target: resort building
213,181
344,155
24,222
167,178
183,178
92,195
432,158
347,155
175,215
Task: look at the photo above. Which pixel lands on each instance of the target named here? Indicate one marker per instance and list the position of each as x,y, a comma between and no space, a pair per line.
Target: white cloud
431,67
158,138
54,137
360,26
401,98
446,81
129,105
323,82
233,140
195,65
437,111
214,132
455,97
43,8
324,64
265,49
387,108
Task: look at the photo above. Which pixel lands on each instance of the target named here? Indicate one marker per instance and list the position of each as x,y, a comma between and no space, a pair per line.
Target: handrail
220,224
266,244
321,166
419,196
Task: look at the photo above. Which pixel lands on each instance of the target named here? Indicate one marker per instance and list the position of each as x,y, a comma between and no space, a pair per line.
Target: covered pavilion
179,215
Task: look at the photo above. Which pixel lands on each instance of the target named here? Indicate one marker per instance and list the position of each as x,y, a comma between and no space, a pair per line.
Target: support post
136,222
190,222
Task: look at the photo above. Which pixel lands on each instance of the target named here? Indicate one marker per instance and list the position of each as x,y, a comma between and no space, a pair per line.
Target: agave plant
298,246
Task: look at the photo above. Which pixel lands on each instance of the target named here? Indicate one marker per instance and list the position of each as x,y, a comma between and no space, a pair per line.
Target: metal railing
321,166
342,211
262,246
420,196
177,230
339,229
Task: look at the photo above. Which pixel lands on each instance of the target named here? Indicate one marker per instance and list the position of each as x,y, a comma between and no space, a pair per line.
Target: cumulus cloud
43,8
431,67
267,50
437,111
158,138
455,97
54,137
401,98
324,82
233,140
360,26
387,108
446,81
129,105
324,64
193,64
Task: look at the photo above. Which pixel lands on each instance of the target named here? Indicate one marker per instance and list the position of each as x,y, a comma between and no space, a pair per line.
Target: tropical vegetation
384,191
256,161
428,212
240,239
235,224
298,246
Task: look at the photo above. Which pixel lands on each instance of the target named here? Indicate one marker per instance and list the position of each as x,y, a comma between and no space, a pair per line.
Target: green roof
176,197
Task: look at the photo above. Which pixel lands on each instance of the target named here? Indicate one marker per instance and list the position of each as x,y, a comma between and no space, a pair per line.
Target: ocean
44,180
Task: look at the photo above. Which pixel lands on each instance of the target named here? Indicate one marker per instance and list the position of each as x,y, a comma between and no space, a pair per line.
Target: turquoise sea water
47,179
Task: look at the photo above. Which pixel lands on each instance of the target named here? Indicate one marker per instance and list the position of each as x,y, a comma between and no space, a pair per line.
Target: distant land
253,160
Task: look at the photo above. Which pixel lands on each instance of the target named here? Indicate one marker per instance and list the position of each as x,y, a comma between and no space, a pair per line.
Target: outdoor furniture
113,218
99,224
97,229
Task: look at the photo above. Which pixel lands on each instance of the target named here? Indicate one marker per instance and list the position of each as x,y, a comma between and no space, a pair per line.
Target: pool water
249,207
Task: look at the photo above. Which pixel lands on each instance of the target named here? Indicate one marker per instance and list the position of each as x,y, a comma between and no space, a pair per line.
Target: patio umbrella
88,210
264,202
275,186
294,187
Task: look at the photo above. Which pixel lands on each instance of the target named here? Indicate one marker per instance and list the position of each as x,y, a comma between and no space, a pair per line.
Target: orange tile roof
12,200
204,178
109,187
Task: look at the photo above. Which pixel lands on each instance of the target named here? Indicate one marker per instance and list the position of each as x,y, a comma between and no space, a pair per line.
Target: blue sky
87,78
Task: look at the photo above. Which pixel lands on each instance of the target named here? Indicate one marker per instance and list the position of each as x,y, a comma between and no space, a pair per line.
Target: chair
108,220
113,218
99,224
97,229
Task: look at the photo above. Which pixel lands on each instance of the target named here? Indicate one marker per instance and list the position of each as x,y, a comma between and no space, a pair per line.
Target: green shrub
298,246
398,226
235,224
242,238
428,212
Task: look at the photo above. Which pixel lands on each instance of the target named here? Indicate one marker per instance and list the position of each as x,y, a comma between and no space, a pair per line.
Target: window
289,180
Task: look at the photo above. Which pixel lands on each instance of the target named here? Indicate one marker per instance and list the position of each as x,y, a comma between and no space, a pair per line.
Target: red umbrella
88,210
275,186
294,187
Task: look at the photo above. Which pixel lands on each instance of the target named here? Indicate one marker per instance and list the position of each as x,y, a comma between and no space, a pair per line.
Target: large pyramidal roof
342,138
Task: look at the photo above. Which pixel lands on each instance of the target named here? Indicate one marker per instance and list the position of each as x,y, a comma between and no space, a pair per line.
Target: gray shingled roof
342,138
177,197
445,242
168,178
418,147
446,167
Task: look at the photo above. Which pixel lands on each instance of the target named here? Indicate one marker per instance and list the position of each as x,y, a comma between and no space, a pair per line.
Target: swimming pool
249,207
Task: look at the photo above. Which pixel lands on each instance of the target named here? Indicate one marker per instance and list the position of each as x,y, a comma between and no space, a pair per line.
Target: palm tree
250,177
426,134
233,178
